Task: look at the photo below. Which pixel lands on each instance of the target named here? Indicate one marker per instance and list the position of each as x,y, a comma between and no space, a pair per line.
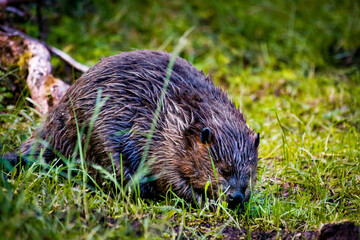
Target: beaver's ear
257,140
206,135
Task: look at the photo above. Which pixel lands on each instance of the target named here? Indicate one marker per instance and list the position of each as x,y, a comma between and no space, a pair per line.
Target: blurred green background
228,36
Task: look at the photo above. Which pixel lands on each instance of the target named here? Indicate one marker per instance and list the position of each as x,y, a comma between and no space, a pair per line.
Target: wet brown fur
132,83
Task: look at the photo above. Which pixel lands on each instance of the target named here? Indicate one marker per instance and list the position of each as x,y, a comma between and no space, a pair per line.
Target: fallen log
17,48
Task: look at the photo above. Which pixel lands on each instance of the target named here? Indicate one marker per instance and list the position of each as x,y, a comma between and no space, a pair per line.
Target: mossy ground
292,68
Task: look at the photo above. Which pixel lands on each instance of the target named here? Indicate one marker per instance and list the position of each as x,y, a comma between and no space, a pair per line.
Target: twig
69,60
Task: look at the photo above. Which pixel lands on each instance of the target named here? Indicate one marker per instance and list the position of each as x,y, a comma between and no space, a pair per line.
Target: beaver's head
202,138
226,154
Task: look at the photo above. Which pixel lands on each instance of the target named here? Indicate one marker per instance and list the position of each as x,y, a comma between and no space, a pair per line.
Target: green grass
283,64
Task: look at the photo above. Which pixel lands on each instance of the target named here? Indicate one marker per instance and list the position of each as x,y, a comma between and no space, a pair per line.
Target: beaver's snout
235,199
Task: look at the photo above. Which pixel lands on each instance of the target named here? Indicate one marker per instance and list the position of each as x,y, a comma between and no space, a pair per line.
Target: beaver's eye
206,135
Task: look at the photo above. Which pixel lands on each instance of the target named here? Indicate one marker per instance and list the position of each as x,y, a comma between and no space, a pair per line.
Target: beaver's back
132,83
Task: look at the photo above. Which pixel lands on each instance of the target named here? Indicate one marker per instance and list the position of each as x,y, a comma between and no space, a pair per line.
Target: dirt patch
233,233
337,231
284,234
333,231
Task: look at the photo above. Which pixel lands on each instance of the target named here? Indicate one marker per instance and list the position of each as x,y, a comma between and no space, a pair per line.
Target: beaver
199,135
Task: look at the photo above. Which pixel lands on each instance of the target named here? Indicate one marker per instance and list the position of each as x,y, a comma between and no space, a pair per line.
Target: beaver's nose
235,199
